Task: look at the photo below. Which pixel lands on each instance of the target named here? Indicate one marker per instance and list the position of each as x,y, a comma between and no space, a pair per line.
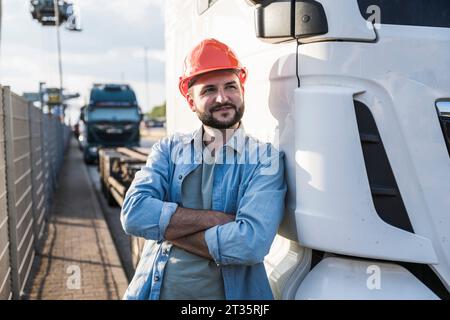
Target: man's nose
221,97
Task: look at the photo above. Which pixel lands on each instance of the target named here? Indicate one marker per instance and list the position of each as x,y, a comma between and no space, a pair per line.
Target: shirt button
166,251
180,177
156,278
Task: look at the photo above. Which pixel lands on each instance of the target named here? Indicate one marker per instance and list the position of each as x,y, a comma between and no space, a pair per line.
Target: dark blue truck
111,119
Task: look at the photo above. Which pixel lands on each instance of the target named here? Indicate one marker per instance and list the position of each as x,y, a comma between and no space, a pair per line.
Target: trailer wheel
111,201
103,187
87,159
109,198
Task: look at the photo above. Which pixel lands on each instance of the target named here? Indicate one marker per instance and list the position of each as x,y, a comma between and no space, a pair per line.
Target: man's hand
185,222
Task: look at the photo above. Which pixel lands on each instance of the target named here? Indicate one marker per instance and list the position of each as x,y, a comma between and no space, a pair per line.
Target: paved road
150,136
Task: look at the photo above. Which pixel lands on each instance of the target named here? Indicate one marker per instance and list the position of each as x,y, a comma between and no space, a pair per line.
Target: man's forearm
186,222
194,243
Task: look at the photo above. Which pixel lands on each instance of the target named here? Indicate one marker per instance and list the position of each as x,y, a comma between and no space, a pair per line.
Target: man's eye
208,90
232,87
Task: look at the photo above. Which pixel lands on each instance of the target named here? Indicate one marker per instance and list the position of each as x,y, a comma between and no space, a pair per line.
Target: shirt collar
236,141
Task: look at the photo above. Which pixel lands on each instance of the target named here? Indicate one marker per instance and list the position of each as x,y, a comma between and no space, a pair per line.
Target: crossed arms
187,229
227,239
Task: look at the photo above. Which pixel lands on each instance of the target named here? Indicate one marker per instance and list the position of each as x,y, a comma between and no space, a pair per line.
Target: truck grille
113,136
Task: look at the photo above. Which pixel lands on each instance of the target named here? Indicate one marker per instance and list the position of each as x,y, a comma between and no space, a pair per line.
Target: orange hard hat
209,55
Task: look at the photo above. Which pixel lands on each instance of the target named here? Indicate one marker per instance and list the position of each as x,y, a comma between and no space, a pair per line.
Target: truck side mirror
283,20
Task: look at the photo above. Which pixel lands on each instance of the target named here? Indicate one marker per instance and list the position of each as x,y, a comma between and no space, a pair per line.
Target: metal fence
32,146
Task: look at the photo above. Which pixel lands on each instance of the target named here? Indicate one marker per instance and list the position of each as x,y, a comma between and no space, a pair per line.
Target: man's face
218,100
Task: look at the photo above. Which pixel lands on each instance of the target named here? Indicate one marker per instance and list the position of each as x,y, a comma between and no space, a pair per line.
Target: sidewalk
79,259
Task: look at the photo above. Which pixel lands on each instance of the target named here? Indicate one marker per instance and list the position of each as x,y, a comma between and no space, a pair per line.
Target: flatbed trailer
117,167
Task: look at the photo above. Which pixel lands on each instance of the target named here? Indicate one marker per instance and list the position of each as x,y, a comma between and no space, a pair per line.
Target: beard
208,119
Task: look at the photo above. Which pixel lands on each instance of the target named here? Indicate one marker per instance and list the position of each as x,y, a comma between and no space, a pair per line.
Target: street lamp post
0,21
58,41
63,12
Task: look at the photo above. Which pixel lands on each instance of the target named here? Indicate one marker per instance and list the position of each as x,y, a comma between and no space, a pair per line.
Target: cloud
157,55
135,11
111,24
109,49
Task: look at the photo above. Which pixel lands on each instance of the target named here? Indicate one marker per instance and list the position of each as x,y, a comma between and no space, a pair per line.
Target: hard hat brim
184,82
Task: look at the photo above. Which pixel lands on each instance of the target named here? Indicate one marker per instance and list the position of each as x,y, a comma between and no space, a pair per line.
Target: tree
158,112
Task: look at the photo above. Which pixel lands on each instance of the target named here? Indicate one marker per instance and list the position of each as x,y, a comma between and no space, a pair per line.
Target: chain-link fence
32,146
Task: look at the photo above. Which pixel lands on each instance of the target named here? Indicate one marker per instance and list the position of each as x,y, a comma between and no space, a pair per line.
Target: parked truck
357,95
111,119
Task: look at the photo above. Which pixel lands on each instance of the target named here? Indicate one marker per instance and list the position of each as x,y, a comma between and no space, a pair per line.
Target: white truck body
367,166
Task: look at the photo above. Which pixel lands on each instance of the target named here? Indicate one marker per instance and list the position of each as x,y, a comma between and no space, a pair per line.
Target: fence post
10,182
5,273
43,164
33,178
54,149
48,160
60,139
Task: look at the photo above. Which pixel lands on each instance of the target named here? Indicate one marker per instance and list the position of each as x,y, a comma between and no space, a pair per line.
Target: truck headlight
101,126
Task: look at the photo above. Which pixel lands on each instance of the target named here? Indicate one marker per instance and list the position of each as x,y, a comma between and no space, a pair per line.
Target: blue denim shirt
248,182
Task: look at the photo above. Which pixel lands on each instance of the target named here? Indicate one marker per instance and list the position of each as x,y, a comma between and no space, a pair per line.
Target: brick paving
78,259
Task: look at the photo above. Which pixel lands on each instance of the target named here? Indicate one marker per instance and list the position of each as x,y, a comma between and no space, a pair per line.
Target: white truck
357,95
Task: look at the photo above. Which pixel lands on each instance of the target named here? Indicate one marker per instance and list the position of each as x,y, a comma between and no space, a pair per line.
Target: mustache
218,106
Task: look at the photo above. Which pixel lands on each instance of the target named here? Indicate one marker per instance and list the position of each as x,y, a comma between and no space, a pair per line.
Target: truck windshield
113,114
113,95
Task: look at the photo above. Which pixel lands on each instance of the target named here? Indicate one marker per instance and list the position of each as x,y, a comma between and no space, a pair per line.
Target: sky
110,49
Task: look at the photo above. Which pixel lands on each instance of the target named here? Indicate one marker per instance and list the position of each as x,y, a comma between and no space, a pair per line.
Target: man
209,202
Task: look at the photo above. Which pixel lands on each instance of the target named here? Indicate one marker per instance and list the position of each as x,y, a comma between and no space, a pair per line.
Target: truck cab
356,93
111,119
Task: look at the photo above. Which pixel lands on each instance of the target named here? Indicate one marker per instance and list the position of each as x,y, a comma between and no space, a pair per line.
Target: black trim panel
445,126
425,13
385,193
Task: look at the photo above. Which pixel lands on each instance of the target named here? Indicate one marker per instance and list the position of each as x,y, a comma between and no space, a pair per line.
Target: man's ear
190,101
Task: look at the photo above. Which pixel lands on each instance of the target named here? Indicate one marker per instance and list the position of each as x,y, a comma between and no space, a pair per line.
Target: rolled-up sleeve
247,240
144,213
